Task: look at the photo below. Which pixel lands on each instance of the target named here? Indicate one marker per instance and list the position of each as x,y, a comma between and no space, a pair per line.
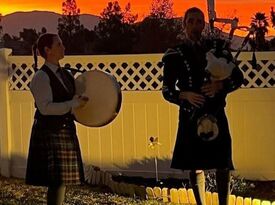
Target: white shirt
42,93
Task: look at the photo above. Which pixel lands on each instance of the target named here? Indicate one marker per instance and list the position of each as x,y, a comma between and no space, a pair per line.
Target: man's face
194,24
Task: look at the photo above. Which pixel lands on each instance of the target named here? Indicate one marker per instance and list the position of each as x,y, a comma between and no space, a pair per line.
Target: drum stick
75,70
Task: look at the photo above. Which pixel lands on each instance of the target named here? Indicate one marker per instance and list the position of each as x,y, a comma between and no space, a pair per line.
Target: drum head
104,98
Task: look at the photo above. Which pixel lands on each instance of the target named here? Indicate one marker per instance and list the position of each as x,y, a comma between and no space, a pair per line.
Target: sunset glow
243,9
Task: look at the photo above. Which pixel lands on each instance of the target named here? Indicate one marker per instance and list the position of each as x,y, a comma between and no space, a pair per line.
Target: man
203,139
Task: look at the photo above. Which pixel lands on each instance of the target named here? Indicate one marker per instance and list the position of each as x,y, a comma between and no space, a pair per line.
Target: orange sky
243,9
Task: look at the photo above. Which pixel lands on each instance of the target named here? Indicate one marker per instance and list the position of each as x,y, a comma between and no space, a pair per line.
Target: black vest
60,94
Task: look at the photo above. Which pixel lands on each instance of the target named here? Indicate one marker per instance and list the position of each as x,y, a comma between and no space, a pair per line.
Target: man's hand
194,98
212,88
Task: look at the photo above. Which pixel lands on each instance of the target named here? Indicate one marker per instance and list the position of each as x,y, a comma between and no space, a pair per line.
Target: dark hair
45,40
191,10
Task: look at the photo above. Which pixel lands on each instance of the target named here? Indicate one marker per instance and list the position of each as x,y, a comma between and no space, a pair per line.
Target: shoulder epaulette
172,52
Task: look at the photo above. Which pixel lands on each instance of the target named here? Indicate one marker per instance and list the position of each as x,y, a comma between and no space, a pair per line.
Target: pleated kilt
192,153
54,156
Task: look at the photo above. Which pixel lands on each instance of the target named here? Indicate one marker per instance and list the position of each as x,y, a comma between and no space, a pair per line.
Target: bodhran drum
104,98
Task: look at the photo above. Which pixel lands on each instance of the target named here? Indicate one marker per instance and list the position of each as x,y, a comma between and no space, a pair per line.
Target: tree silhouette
28,37
43,30
115,31
7,37
260,22
156,35
162,9
159,30
272,41
128,17
272,14
1,29
69,27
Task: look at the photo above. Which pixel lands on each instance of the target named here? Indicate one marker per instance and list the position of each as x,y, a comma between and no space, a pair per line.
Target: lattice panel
139,72
262,76
130,75
20,76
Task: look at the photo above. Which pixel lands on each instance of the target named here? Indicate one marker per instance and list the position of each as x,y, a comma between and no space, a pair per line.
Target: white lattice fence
263,75
140,72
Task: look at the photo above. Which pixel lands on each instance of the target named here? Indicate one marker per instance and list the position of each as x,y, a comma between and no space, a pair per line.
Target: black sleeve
170,76
234,81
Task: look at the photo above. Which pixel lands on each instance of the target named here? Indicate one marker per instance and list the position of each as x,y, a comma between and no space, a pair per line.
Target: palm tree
0,24
1,30
272,14
259,22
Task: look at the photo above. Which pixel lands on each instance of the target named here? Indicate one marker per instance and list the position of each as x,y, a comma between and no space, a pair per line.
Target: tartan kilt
54,156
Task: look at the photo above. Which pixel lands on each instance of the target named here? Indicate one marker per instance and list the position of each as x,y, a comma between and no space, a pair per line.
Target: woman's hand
194,98
212,88
80,100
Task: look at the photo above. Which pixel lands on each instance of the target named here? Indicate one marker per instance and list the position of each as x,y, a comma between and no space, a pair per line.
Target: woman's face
56,52
194,25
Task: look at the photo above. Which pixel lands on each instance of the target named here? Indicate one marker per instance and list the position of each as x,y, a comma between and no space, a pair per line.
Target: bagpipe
220,65
234,26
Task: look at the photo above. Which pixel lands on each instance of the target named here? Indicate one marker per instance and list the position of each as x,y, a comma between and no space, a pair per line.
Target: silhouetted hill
15,22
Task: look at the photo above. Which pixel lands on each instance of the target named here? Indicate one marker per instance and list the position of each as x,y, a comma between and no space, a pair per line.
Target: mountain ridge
15,22
33,19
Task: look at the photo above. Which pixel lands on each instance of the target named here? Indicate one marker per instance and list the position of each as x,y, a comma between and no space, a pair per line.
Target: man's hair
188,11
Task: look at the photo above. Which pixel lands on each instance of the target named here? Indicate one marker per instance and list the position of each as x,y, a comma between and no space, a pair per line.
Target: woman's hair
45,40
188,11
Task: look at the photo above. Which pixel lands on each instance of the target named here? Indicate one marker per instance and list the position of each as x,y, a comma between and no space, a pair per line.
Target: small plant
210,179
238,185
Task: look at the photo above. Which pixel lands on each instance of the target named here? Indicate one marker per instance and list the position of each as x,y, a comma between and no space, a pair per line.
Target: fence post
5,131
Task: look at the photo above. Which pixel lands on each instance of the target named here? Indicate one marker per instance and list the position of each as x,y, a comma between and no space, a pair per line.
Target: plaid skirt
54,156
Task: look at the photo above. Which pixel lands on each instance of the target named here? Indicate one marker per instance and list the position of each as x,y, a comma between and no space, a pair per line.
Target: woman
54,158
203,139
